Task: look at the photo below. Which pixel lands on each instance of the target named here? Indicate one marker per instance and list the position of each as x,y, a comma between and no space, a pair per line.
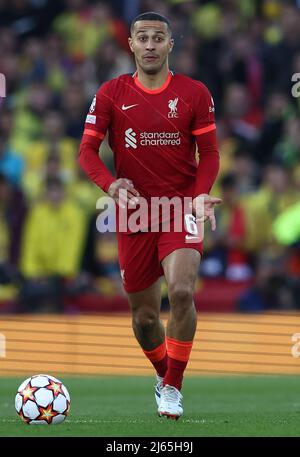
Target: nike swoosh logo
187,237
124,108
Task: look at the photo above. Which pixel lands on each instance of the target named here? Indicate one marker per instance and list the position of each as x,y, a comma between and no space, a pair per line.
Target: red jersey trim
204,130
93,133
153,91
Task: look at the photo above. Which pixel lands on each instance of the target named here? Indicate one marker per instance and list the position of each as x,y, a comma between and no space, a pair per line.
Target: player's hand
206,212
123,192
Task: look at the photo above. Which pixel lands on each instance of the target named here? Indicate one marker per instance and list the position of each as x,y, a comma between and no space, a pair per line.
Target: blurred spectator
207,25
246,172
85,192
227,255
263,206
245,66
12,213
31,106
59,65
186,63
34,183
243,118
51,249
28,17
84,27
277,112
111,61
101,261
53,141
288,150
11,164
127,10
74,108
279,57
273,288
286,230
9,63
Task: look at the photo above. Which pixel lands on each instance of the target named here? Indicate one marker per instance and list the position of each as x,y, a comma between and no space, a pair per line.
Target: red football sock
159,359
178,357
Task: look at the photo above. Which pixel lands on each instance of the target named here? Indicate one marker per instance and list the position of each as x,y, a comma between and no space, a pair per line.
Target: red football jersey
152,132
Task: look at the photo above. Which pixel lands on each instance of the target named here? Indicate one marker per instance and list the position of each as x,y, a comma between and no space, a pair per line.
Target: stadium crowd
55,55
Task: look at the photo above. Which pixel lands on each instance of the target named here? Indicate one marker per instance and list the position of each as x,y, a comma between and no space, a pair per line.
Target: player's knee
181,294
144,320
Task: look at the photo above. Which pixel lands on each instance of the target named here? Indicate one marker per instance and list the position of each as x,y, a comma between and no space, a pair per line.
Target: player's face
151,43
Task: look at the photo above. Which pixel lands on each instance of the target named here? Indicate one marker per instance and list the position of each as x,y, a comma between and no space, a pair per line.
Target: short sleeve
204,111
99,116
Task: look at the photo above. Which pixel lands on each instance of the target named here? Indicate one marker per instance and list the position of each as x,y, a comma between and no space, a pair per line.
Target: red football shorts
141,254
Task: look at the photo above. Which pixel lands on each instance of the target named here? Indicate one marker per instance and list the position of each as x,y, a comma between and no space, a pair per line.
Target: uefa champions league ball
42,399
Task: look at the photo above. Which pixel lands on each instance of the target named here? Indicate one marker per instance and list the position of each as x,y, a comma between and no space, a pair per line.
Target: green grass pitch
125,406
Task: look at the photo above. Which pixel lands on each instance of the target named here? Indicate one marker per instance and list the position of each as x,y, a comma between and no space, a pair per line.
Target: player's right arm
96,125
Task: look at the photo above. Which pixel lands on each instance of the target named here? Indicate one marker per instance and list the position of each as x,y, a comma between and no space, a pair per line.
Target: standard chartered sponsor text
160,138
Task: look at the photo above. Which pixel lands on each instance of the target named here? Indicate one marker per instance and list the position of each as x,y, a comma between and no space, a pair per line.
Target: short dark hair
150,16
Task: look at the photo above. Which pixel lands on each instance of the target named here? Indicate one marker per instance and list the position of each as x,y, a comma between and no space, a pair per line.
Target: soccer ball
42,399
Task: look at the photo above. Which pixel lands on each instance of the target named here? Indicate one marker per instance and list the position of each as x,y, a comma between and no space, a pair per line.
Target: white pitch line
91,421
8,420
117,421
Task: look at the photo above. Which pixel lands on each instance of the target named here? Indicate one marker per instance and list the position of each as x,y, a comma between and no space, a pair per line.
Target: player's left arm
204,130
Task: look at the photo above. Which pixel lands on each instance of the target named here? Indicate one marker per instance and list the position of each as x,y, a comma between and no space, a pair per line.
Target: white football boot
170,403
158,386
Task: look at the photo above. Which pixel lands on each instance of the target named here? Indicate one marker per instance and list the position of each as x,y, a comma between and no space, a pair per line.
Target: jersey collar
153,91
